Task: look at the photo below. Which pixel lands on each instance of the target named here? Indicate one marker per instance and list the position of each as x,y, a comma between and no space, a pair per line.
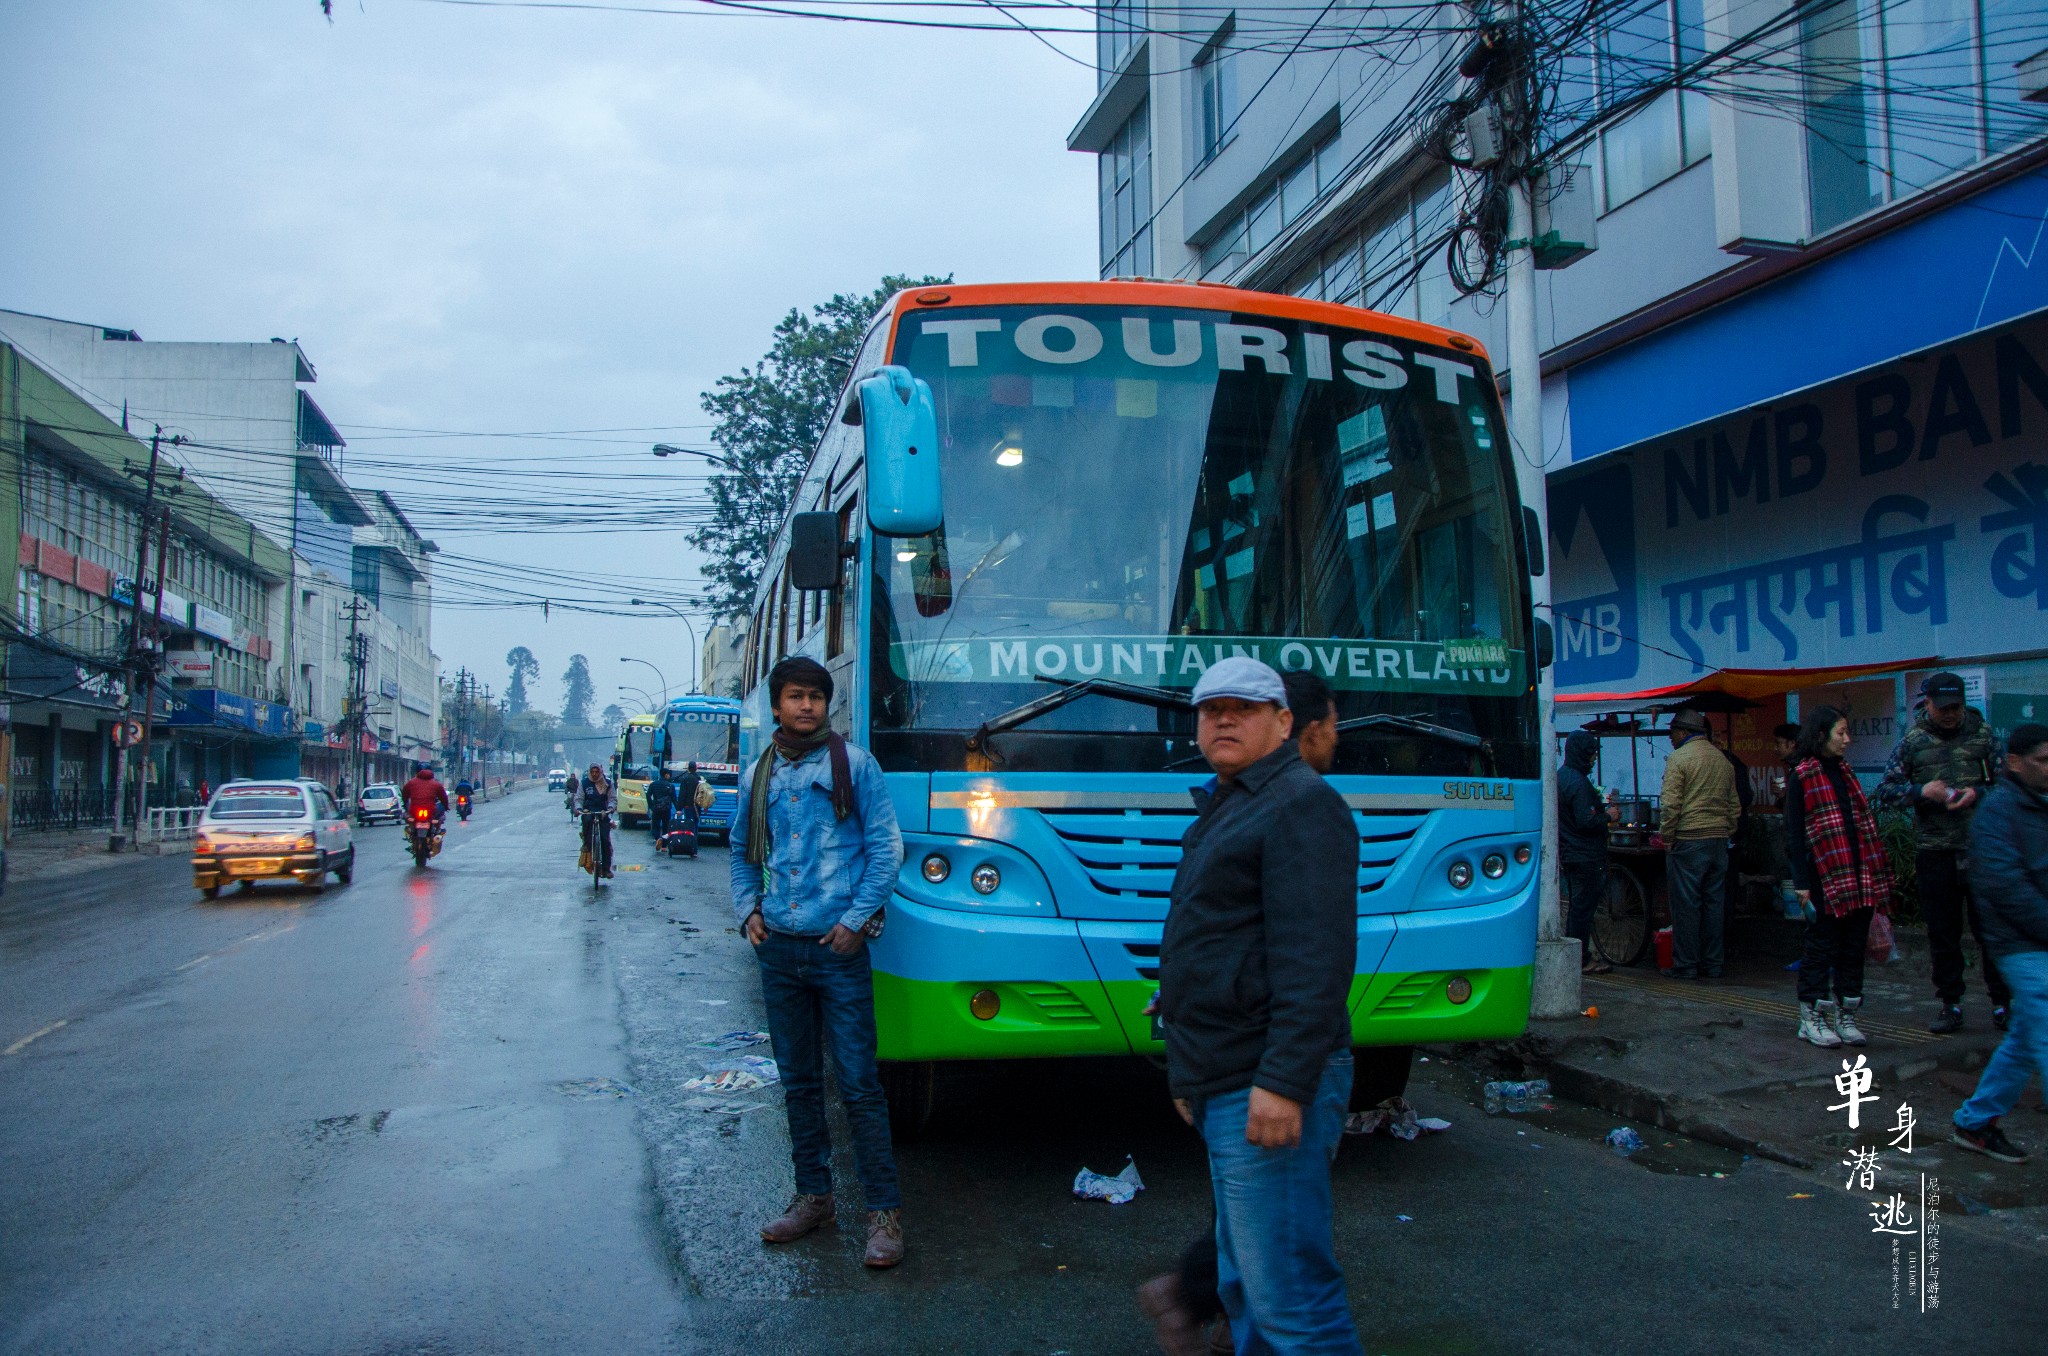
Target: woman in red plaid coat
1839,868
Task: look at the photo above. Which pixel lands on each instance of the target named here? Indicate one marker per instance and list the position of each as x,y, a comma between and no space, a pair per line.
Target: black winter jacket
1581,818
2009,869
1262,935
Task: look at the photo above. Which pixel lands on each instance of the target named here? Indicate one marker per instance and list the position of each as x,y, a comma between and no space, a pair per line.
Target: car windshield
380,793
1135,493
258,802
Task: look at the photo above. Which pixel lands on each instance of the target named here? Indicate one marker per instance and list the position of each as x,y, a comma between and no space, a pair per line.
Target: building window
1396,263
1216,92
1901,95
1282,203
1119,26
1641,47
1125,170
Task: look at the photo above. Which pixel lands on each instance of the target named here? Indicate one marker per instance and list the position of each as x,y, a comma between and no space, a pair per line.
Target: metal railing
37,808
172,825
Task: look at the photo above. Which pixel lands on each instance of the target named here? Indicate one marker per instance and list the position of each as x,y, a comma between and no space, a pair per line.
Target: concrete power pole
355,718
116,839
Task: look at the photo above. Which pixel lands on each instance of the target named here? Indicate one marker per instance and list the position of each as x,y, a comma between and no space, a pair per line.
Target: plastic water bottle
1517,1097
1624,1140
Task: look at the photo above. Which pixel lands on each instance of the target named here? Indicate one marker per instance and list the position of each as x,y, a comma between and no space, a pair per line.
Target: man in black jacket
1582,843
1255,972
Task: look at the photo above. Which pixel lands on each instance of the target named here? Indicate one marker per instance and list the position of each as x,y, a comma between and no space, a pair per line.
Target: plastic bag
1116,1190
1881,947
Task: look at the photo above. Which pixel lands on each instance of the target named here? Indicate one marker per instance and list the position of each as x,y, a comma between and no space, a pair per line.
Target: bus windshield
636,743
1132,493
709,739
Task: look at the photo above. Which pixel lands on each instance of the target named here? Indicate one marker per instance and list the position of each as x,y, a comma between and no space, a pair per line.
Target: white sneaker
1843,1019
1814,1026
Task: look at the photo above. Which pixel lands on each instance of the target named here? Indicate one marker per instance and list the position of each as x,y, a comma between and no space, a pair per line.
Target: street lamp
628,659
646,698
671,450
643,602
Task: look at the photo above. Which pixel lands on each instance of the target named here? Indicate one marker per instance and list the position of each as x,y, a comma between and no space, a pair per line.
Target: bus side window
782,637
835,626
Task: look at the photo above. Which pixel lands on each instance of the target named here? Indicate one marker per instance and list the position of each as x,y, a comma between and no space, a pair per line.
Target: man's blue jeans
2024,1050
815,998
1276,1262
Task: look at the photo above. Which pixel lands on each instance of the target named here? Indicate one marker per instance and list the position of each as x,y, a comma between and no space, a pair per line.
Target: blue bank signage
1899,512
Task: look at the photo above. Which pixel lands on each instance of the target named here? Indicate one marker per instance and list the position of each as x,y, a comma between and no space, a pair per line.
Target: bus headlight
1460,874
1521,854
937,868
1494,866
1459,989
985,1004
986,879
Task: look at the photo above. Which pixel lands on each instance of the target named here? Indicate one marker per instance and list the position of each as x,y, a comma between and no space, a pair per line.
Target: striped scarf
1849,863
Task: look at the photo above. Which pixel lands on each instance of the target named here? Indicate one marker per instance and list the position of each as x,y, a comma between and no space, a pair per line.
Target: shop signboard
170,607
1896,513
208,622
194,666
37,674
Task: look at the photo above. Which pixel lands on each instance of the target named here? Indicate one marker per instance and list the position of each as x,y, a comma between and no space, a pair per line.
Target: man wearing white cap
1254,971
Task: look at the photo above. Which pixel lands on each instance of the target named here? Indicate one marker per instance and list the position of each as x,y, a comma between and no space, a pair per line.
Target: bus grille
1407,993
1058,1004
1131,854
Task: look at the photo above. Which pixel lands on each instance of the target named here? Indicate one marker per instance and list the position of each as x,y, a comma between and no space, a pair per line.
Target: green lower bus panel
922,1020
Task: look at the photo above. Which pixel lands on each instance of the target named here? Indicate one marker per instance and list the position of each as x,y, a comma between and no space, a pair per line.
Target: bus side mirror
902,434
815,552
1546,643
1532,540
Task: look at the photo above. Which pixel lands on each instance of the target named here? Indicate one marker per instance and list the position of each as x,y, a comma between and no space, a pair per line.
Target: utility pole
146,666
354,718
136,678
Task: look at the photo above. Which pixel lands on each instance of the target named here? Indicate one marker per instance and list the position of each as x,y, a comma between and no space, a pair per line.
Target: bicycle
596,837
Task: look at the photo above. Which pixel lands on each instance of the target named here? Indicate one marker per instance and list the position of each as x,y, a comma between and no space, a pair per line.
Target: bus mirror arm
1073,692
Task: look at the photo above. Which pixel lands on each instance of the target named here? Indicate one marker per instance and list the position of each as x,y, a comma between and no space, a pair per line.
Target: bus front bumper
952,984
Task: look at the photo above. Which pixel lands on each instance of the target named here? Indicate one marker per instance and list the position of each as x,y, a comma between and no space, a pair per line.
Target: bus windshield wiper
1415,725
1072,692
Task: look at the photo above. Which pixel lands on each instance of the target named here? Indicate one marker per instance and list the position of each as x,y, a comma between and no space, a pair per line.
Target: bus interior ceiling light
1010,450
905,554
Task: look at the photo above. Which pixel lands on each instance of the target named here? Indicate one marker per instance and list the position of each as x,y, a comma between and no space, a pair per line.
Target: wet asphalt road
375,1120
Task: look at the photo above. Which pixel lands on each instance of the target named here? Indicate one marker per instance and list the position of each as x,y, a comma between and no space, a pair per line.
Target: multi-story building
725,644
1793,397
254,436
210,576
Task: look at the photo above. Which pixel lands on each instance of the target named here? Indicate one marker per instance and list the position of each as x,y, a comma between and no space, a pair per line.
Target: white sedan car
277,830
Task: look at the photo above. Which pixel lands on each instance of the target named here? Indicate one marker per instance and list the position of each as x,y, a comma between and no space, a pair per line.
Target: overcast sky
517,219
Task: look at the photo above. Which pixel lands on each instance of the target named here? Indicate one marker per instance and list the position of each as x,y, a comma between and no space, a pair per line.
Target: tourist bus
705,731
1038,514
633,767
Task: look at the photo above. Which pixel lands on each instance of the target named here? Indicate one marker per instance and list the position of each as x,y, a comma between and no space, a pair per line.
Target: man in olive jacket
1696,815
1254,972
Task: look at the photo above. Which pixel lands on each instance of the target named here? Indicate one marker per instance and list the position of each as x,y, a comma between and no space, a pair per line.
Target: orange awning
1754,684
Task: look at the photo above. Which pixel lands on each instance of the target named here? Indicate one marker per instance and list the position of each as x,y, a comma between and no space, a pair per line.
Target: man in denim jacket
815,850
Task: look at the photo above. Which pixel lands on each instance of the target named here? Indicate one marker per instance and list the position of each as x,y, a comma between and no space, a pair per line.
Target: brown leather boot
885,1238
1160,1300
805,1214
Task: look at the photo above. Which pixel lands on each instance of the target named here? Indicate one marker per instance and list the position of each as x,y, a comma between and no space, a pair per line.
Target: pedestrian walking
1785,738
1697,816
815,849
1941,767
1839,868
661,803
1181,1304
1255,967
690,789
1582,821
2009,856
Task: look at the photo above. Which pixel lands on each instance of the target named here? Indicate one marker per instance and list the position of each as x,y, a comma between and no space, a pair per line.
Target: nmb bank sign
1899,512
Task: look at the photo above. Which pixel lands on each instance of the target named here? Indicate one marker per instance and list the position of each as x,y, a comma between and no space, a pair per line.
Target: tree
770,418
524,666
577,692
613,719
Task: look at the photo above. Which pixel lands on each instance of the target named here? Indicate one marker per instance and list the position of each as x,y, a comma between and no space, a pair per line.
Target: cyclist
594,797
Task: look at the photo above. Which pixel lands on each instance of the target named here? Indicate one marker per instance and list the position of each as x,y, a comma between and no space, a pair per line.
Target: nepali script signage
1480,665
1899,512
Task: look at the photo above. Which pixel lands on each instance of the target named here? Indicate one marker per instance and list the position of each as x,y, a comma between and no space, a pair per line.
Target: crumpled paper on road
1117,1190
729,1080
1397,1116
731,1041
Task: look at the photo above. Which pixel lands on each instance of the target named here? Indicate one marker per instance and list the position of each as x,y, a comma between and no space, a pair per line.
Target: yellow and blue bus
633,767
1039,513
705,731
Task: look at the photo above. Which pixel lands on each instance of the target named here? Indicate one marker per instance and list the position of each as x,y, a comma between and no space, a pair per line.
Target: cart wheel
1621,922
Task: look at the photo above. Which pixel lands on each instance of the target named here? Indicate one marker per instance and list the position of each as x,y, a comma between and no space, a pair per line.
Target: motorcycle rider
596,794
463,792
425,789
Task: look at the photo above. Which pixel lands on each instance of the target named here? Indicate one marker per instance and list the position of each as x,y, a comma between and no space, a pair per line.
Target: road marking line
240,941
34,1036
194,961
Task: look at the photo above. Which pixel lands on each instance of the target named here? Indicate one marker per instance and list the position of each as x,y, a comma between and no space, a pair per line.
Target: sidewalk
1719,1061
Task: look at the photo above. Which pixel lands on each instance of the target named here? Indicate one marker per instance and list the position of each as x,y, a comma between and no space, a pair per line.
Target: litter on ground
731,1080
593,1087
1397,1117
730,1041
1093,1186
722,1106
1624,1140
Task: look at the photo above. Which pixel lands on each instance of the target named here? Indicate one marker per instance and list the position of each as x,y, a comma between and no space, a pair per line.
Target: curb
1697,1118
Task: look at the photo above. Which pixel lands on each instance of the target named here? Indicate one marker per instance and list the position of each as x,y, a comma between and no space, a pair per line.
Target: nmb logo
1593,552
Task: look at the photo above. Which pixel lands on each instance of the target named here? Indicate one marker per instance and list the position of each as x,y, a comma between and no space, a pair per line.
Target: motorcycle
423,836
462,807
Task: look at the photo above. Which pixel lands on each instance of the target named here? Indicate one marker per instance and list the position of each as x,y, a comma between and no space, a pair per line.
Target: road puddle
1663,1151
